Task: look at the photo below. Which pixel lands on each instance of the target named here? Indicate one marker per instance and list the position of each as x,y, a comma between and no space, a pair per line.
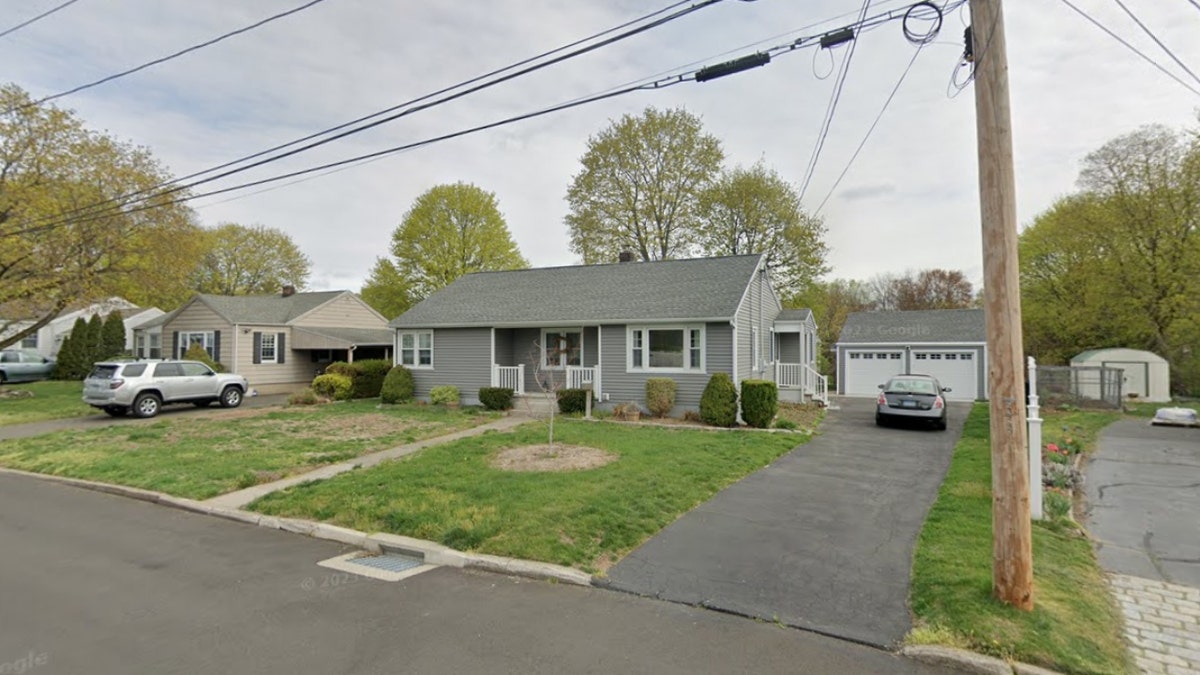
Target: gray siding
620,386
789,347
756,313
504,347
461,357
591,347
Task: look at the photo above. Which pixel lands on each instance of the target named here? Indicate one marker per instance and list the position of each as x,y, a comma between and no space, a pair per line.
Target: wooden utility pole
1012,549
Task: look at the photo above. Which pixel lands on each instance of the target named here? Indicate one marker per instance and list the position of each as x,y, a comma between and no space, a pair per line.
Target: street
101,584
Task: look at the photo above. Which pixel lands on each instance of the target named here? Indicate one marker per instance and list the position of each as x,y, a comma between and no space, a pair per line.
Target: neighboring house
949,344
613,327
278,342
49,338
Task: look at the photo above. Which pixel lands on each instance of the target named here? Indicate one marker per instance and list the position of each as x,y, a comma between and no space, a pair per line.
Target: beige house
278,342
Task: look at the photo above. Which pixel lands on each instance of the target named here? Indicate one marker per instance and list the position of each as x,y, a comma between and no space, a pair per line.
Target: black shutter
175,345
216,346
257,347
280,347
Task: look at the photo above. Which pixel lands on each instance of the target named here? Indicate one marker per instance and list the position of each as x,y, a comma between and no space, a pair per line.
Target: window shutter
217,346
257,347
175,345
280,347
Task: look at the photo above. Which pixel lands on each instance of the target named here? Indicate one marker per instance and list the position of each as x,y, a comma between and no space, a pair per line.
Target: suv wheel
115,410
146,405
231,397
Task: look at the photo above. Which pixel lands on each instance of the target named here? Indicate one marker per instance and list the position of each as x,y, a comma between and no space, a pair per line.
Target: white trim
274,347
416,349
569,322
733,341
937,345
562,357
492,355
686,329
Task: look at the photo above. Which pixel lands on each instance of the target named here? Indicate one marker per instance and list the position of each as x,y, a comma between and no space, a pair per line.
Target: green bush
341,368
398,386
718,403
199,353
572,400
786,424
443,395
760,402
333,386
660,395
368,377
496,398
305,396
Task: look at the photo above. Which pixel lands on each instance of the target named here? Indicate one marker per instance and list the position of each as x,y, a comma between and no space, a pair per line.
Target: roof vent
625,256
288,291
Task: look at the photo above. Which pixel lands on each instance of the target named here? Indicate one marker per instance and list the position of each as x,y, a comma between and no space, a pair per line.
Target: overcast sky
910,201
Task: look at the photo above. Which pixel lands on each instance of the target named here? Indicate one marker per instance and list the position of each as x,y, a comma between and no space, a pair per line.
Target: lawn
585,518
201,457
1075,626
50,401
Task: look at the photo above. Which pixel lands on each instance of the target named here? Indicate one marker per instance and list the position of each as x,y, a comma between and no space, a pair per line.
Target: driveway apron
821,539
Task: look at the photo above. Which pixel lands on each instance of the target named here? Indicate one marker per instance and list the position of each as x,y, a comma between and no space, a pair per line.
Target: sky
909,201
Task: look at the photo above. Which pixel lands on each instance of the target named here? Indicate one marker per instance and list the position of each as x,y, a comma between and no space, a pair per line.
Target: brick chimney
288,290
625,256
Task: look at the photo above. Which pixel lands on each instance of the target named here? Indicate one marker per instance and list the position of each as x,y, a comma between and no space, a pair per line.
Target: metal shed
1147,376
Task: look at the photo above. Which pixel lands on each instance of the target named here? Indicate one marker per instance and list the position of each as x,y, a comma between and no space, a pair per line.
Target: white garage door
866,370
955,369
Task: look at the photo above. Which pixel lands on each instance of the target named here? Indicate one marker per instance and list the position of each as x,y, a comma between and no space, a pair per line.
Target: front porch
800,383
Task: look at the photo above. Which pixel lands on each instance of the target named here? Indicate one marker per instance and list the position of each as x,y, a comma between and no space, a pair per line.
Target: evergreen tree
93,349
112,336
70,361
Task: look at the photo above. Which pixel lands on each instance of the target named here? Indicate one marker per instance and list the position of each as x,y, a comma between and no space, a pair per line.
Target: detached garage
949,344
1147,376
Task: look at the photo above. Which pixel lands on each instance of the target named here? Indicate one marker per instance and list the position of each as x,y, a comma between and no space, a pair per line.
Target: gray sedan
912,397
24,365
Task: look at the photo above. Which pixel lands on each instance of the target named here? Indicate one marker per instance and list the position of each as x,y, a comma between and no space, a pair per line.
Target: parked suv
143,387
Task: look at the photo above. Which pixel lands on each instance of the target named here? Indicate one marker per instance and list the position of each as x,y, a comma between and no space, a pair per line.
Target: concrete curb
969,662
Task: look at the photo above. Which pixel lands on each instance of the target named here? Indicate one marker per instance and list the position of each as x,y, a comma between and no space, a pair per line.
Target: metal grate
391,562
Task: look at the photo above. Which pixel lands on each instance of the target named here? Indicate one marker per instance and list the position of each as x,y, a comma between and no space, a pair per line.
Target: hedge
760,402
334,386
718,403
572,400
443,395
398,386
496,398
660,395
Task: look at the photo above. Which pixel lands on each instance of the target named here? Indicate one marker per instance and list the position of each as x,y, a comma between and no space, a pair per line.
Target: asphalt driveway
821,539
1143,491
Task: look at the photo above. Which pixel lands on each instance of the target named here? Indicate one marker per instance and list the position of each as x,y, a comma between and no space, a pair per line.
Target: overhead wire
39,17
1157,41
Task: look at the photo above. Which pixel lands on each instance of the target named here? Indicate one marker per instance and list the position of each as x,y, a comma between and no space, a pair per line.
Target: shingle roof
794,315
699,288
351,336
932,325
266,309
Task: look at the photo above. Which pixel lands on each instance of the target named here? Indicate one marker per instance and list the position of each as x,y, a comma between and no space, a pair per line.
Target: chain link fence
1081,386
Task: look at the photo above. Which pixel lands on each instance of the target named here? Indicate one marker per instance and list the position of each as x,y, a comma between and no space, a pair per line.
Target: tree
386,290
61,240
639,187
70,361
451,230
112,336
94,342
927,289
831,302
755,211
249,260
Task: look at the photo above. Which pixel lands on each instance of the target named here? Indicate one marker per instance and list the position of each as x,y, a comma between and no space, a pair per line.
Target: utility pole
1012,546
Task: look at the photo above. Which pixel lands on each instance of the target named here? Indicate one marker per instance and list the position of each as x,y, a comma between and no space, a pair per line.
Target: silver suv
143,387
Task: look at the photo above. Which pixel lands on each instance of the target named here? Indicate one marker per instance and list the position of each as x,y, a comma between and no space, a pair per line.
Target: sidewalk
239,499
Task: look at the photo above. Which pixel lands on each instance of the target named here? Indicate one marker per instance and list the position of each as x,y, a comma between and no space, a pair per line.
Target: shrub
718,403
340,368
398,386
496,398
786,424
444,395
660,395
368,377
572,400
305,396
1056,504
333,386
760,402
691,416
629,412
199,353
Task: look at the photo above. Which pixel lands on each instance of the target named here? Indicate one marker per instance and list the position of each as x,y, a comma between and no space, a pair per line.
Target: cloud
866,192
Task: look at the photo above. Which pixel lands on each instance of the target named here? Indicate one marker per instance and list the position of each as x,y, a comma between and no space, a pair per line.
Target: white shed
1146,374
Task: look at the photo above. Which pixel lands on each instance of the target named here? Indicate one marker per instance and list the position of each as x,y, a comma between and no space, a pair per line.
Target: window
935,357
205,340
168,370
966,356
668,348
951,357
416,349
133,370
895,356
194,369
561,348
881,356
29,341
919,357
266,350
155,346
854,355
868,356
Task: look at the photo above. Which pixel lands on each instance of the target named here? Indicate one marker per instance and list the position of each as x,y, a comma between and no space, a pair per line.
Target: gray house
949,344
610,327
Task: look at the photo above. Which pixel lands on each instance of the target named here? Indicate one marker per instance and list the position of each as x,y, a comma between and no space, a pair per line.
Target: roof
918,326
665,290
266,309
340,338
794,315
1128,352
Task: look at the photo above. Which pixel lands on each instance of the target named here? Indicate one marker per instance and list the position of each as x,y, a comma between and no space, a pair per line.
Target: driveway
821,539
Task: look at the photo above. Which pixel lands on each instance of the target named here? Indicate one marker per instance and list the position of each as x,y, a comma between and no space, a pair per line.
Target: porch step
534,404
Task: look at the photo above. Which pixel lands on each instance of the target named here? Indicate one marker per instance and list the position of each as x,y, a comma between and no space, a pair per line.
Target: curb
970,662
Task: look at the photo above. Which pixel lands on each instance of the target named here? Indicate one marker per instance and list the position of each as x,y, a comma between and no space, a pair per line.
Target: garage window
854,355
951,357
868,356
967,356
919,357
895,356
935,357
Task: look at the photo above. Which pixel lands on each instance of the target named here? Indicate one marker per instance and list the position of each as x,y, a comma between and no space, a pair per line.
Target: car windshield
910,386
103,372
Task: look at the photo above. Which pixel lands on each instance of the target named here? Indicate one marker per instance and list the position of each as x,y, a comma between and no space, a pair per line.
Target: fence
1083,386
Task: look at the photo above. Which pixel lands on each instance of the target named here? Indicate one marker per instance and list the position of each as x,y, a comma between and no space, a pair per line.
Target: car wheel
940,425
879,420
146,405
231,397
3,377
115,411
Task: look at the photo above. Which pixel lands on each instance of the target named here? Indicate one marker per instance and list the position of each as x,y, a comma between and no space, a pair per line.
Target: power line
1158,42
39,17
1135,50
164,59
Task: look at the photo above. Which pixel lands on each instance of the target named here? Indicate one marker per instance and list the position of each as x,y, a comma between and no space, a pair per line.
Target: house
949,344
49,338
610,327
279,342
1145,375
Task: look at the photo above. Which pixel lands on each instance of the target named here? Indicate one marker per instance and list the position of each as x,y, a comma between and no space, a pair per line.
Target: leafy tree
831,302
386,290
927,289
161,266
639,187
451,230
249,260
112,336
755,211
57,248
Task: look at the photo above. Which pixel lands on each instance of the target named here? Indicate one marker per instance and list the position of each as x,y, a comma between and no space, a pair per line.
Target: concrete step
535,404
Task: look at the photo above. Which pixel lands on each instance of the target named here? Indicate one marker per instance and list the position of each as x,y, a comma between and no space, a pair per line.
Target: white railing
803,377
817,386
1034,421
789,375
579,377
509,377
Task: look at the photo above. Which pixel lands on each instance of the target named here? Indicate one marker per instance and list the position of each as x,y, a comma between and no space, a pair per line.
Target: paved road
1143,491
91,583
821,539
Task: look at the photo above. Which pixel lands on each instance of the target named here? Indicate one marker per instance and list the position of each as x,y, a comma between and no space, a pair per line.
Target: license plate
908,404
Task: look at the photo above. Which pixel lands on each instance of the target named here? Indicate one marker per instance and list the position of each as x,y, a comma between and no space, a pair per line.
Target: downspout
350,353
234,366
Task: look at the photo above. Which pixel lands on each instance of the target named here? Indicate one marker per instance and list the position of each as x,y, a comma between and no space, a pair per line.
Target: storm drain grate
389,562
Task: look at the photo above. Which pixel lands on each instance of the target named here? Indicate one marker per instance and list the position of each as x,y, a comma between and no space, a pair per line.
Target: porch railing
509,377
578,377
818,385
789,375
803,377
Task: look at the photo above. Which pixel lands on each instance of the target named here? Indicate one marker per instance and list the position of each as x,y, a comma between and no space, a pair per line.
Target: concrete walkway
821,539
239,499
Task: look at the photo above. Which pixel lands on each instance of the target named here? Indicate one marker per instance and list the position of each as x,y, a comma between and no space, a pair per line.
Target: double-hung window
205,339
266,349
561,348
669,348
416,349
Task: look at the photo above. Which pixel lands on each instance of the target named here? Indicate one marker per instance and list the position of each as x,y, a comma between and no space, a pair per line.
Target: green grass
50,401
1075,625
1144,409
203,457
587,518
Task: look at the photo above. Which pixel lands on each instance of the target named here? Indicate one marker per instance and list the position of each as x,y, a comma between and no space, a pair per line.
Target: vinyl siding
789,347
345,311
197,318
297,367
621,386
461,357
758,310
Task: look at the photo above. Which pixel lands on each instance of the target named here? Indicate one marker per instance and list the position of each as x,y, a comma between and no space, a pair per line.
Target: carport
326,345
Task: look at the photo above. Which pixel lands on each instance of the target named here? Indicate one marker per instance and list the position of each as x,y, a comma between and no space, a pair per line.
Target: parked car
24,365
912,397
141,387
